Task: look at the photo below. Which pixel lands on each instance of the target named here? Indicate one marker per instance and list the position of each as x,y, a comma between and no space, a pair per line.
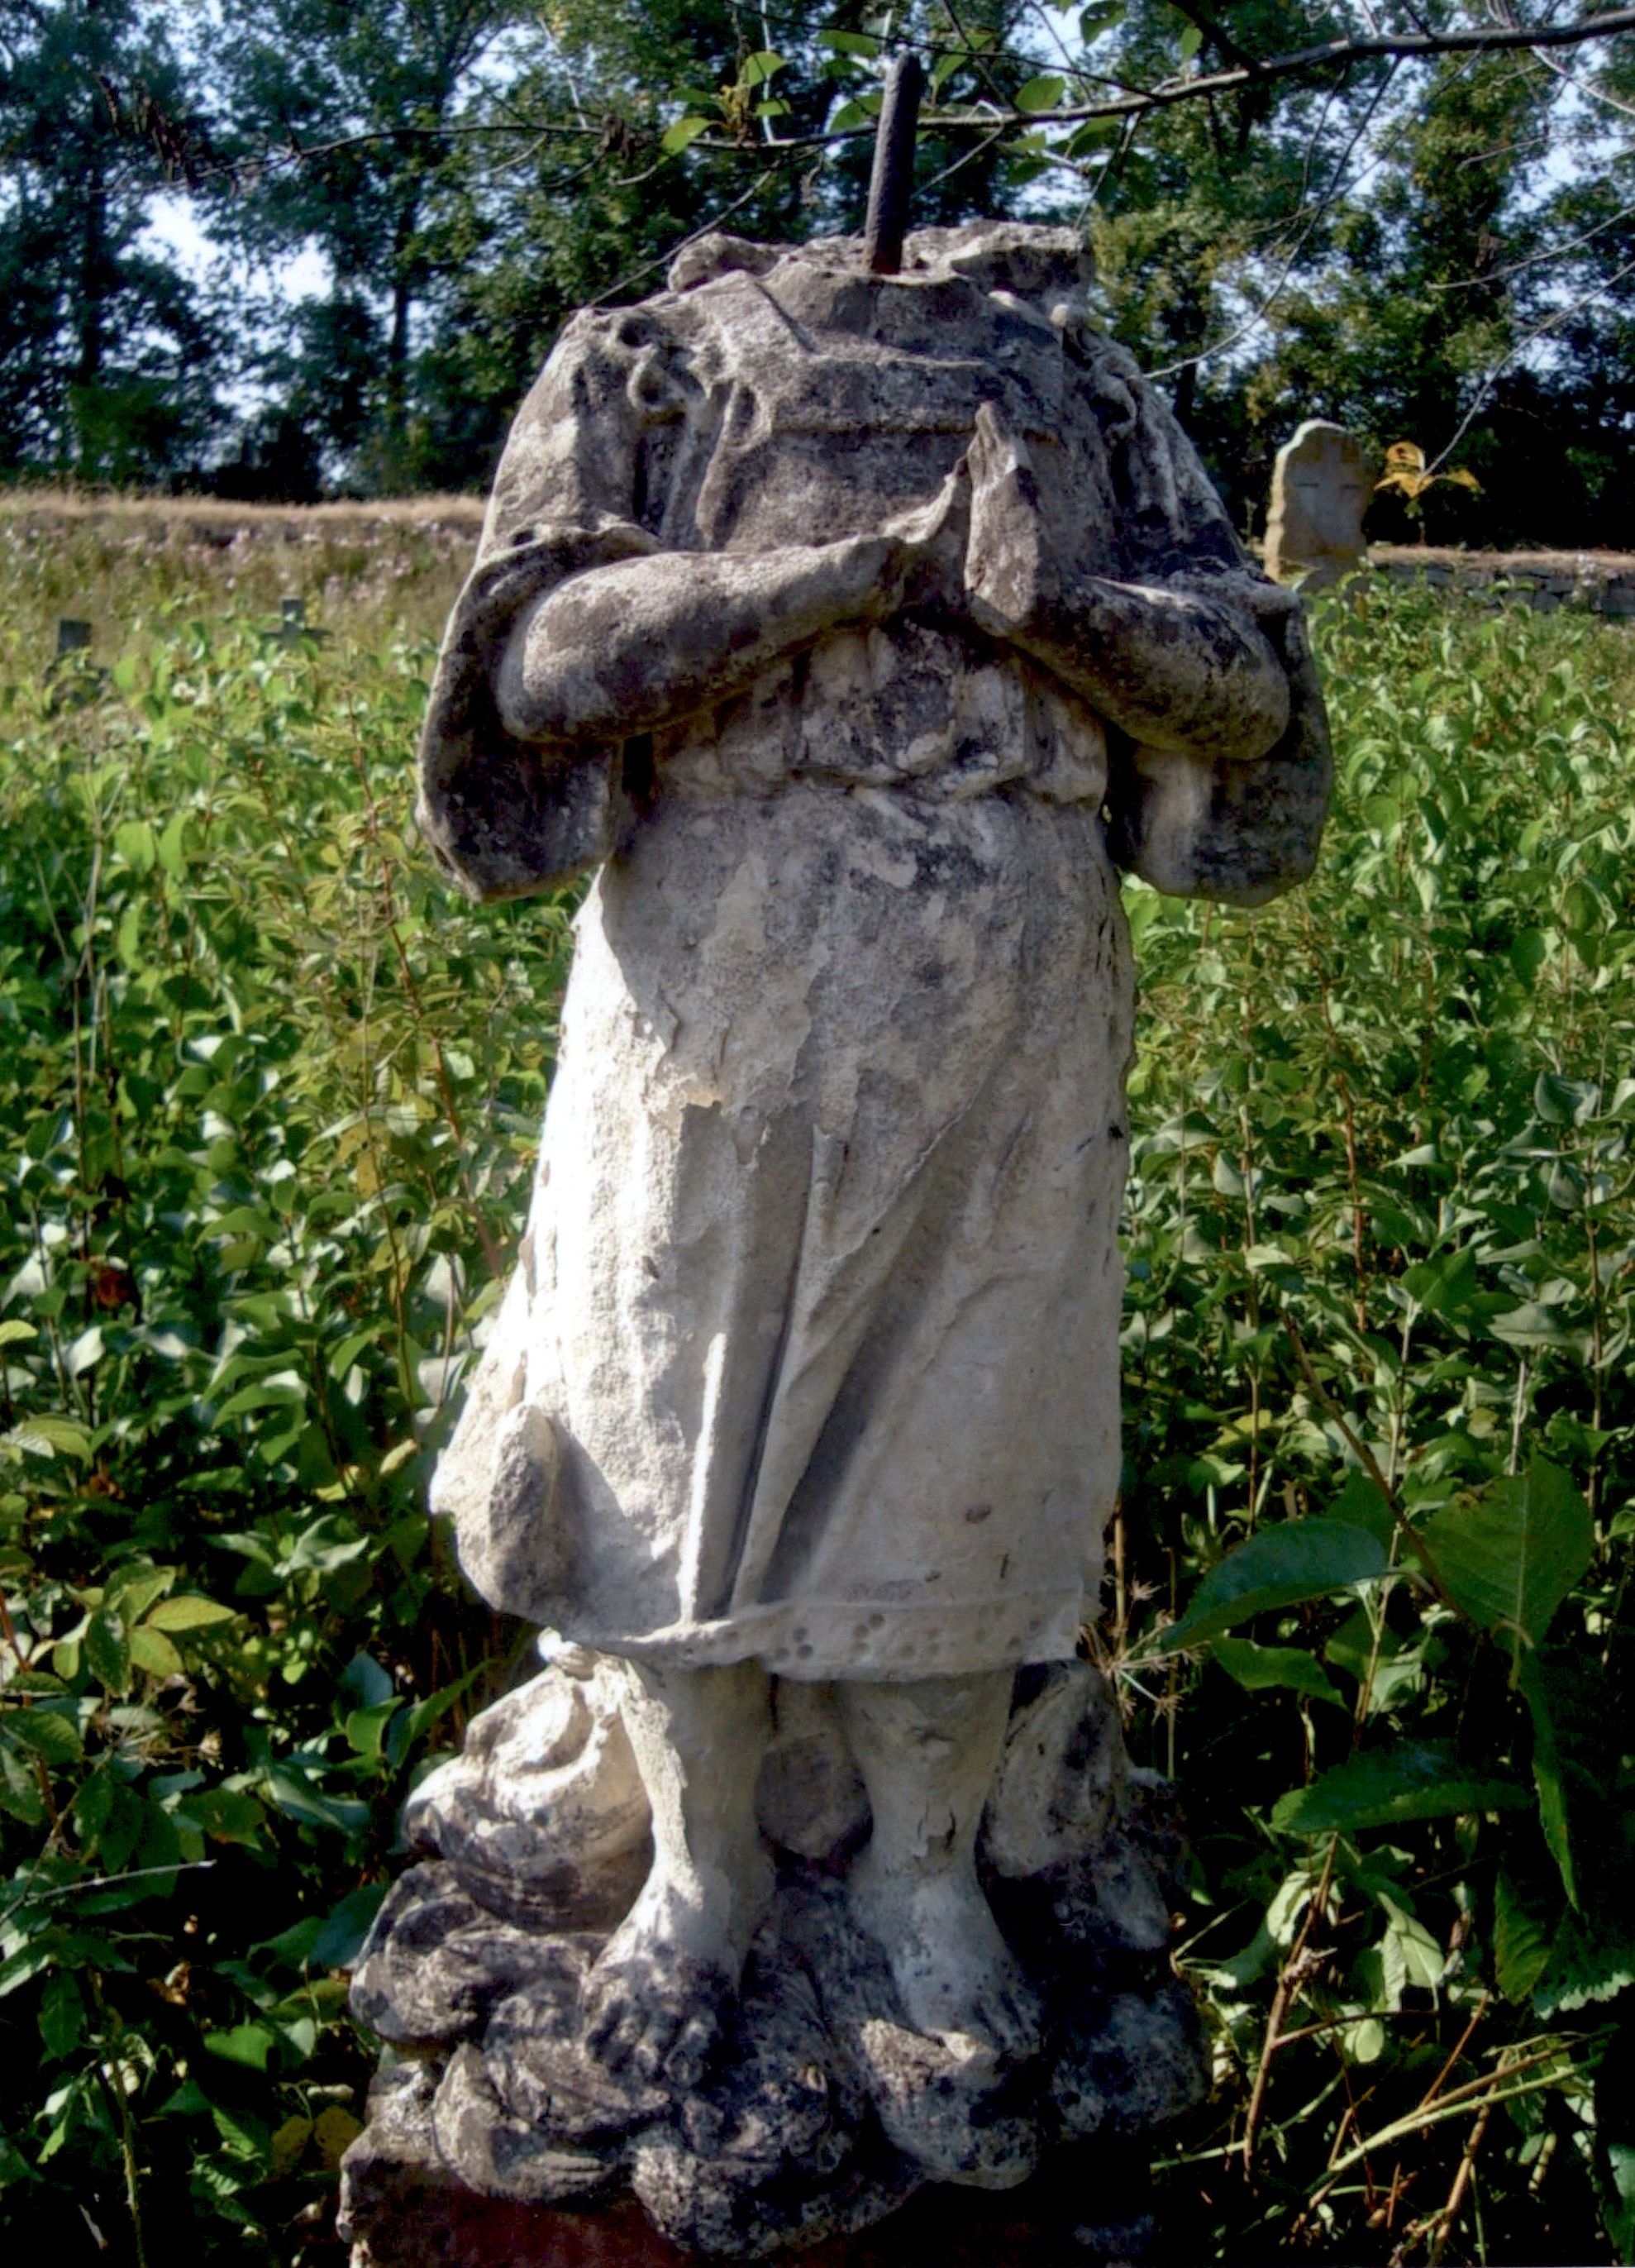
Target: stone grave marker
1322,484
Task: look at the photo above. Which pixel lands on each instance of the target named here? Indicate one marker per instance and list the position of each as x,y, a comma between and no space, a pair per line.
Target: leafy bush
1378,1396
271,1095
276,1094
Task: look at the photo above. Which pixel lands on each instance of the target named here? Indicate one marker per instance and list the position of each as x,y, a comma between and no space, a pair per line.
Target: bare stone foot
654,2000
953,1971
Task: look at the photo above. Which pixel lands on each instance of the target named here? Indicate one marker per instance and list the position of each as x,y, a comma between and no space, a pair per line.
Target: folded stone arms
1172,668
647,641
580,628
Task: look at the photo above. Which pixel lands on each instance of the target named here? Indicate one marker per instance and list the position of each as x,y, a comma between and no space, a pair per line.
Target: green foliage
1382,1287
453,177
108,362
270,1101
270,1098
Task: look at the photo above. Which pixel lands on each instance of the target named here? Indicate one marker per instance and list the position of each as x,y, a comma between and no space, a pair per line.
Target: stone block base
1085,2210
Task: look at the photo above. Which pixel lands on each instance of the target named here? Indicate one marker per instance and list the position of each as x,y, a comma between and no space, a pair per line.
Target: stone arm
645,641
1220,766
1175,670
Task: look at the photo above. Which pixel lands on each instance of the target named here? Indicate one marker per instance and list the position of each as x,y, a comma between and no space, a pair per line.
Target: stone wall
1599,582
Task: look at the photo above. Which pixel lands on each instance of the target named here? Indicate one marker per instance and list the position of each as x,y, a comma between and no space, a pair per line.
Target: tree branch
1331,54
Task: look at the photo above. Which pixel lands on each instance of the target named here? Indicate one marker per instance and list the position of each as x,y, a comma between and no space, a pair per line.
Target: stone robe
820,1290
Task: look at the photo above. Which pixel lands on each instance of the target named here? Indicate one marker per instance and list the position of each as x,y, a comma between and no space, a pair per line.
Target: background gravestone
1321,485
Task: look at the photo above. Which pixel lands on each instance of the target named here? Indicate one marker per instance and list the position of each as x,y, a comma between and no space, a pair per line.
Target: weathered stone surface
542,1815
1129,2066
1062,1774
1322,484
500,2154
436,1960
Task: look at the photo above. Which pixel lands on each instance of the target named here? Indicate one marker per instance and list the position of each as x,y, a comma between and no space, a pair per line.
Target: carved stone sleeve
508,818
1239,833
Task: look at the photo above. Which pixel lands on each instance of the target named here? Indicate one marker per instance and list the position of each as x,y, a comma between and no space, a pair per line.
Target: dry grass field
108,560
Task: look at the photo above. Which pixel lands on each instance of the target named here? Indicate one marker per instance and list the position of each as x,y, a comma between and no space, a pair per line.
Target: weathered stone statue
855,626
1321,485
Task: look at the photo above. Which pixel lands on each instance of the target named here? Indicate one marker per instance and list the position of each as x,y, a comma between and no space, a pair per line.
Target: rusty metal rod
891,184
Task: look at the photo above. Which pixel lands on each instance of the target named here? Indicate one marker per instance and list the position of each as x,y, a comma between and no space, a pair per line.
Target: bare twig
1449,2212
1292,1975
1341,55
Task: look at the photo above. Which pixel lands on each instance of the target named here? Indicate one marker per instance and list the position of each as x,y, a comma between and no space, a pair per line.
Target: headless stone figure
853,624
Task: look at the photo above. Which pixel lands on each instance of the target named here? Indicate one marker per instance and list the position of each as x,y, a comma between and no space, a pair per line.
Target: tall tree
346,118
105,355
472,171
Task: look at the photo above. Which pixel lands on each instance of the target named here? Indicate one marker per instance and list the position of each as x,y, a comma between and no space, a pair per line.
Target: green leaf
1363,1503
1445,1286
685,131
282,1388
107,1651
1385,1787
298,1800
289,2141
1590,1961
365,1728
226,1815
246,2044
133,1590
1547,1773
1281,1566
20,1786
152,1651
1565,1102
92,1807
1528,953
189,1611
340,1940
46,1435
49,1733
364,1680
1618,2206
1509,1558
861,44
172,846
1521,1940
436,1706
14,1331
1191,39
62,2017
133,842
1040,93
1534,1325
757,69
1257,1667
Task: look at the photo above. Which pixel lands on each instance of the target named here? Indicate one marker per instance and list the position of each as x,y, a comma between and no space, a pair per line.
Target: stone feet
954,1973
652,2003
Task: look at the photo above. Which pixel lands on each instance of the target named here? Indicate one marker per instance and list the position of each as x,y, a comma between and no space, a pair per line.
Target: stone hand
928,546
1191,672
1007,572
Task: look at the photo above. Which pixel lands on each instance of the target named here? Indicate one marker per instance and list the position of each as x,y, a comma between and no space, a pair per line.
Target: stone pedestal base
497,2135
1088,2209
